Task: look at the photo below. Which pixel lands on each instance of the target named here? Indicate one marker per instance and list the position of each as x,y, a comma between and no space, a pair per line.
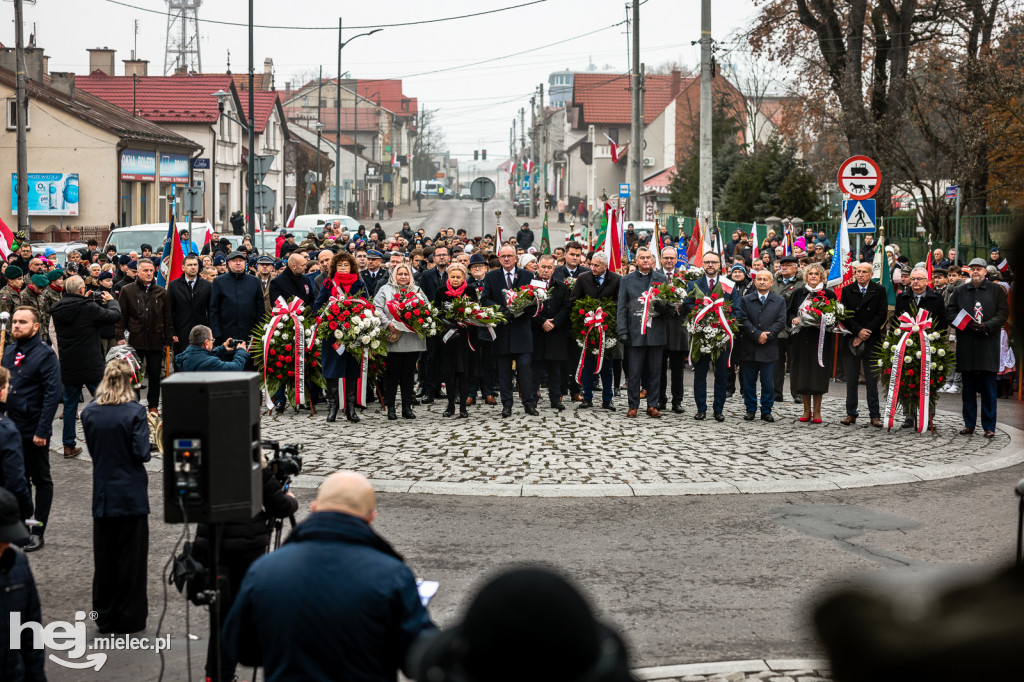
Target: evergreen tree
771,181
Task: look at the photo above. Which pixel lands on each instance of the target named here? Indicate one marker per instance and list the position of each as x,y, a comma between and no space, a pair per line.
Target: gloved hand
978,327
624,339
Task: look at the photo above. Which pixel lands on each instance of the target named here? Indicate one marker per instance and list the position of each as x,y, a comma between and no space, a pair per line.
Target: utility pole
636,152
533,153
251,175
522,140
544,144
22,104
705,208
319,133
337,139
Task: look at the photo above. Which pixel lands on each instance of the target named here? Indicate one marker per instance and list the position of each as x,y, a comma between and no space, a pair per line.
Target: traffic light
476,155
483,155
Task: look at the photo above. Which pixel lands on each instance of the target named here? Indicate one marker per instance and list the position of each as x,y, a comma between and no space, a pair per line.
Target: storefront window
126,203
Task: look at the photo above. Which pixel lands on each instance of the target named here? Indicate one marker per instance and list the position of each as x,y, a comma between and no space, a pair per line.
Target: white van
132,238
314,222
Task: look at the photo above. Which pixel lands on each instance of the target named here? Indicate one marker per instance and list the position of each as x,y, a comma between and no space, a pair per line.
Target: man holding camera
201,356
77,319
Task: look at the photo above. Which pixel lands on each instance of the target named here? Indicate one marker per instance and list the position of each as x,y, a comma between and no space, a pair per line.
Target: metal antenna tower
182,50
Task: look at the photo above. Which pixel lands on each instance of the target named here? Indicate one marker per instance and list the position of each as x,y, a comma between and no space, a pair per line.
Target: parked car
60,250
464,193
522,204
133,237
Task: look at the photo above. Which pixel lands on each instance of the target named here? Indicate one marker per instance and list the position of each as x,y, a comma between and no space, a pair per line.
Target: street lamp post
337,165
319,135
222,98
251,175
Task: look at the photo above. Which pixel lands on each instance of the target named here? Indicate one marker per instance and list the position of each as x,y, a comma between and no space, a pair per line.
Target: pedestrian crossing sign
860,216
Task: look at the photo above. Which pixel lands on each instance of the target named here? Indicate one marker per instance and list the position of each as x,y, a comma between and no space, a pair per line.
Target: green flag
602,231
545,238
881,272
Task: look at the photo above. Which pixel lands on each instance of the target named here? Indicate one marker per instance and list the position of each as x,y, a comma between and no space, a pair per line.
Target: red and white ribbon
646,299
716,308
593,321
911,326
394,307
287,311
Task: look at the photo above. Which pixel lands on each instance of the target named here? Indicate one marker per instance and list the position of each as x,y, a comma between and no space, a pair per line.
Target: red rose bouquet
413,312
521,299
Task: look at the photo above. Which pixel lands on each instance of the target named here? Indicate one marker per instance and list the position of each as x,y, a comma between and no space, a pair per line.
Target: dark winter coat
524,238
516,335
628,310
12,466
77,321
552,345
220,359
338,366
977,350
18,594
118,440
243,536
931,301
754,319
430,282
236,306
869,309
35,387
455,354
190,306
146,315
587,287
332,563
288,285
374,282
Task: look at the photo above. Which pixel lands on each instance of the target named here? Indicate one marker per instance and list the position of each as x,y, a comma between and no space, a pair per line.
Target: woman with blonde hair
808,379
403,351
117,435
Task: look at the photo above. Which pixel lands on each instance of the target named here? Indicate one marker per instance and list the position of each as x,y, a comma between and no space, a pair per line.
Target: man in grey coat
645,349
762,315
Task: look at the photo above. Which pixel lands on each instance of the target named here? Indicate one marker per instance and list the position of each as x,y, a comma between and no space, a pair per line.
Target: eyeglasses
918,279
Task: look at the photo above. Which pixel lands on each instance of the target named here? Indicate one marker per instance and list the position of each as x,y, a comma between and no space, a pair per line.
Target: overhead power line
335,28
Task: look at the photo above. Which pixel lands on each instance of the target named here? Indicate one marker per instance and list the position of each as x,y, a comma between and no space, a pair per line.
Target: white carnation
885,345
942,353
365,340
338,334
375,344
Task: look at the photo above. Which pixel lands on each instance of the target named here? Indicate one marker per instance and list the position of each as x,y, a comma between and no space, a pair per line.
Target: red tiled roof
388,93
604,98
659,182
185,98
264,104
241,81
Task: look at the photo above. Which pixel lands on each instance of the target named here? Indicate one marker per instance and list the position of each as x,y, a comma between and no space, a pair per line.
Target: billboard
174,168
48,194
138,165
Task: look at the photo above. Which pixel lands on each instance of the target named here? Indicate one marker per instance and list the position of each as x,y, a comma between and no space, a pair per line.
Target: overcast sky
476,103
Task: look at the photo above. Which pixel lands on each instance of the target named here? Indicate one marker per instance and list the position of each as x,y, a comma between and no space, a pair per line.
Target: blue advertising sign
624,190
48,194
201,163
138,165
174,168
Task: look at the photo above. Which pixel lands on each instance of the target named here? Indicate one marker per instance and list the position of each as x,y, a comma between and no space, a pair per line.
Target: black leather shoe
719,417
607,405
463,412
449,411
414,401
677,408
749,416
35,542
350,413
392,415
662,405
557,406
407,413
767,417
427,400
532,411
700,416
506,411
585,404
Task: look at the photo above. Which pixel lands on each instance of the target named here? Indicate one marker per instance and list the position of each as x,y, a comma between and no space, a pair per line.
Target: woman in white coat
404,347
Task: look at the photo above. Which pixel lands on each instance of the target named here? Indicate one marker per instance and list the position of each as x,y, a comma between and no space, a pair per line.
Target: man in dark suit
762,315
573,267
645,349
514,339
551,332
920,296
190,301
601,285
867,301
713,282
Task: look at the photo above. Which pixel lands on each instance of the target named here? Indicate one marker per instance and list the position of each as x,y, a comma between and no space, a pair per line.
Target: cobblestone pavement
601,453
739,671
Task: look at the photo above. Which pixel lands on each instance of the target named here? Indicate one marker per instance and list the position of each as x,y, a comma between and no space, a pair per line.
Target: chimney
102,59
136,67
63,82
46,64
268,74
677,82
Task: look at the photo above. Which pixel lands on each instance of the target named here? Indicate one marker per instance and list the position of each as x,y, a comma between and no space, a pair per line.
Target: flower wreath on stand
914,362
520,299
413,312
350,325
824,314
286,352
712,326
463,312
591,320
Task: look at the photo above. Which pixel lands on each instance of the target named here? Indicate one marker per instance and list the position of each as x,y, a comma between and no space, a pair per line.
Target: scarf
344,280
811,289
455,293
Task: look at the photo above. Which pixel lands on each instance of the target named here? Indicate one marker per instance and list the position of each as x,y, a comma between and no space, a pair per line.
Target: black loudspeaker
212,455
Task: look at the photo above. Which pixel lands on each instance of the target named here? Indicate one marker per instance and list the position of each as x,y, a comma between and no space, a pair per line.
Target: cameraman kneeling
201,356
242,542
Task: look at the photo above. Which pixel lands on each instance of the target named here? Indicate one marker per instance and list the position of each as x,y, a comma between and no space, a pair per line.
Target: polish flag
962,320
695,251
727,284
6,241
1003,266
614,148
528,165
394,160
290,223
613,241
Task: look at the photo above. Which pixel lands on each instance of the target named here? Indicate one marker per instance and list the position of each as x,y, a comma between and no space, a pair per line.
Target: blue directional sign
624,190
860,216
526,185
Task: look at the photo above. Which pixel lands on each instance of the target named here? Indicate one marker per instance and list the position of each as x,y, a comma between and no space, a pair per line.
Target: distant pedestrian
561,210
391,209
381,206
419,201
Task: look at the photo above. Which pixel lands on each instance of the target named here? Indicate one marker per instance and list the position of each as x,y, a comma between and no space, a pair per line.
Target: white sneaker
945,388
954,389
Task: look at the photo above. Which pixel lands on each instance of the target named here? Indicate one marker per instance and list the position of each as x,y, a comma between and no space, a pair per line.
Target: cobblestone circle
594,452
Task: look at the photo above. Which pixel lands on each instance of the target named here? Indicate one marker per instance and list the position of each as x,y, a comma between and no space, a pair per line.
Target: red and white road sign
859,177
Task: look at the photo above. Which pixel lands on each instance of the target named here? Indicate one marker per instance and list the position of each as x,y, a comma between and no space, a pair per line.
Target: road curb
754,666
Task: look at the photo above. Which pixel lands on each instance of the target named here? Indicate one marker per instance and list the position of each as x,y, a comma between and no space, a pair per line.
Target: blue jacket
338,366
188,247
18,594
350,611
236,306
220,359
12,466
118,440
35,386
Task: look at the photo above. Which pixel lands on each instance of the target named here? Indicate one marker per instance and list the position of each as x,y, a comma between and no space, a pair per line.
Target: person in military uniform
33,296
10,294
55,289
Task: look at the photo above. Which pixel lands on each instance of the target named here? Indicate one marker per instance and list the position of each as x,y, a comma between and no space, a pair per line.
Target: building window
222,204
12,115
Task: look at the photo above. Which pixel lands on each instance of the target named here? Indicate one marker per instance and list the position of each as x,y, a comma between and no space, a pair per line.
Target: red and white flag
528,165
727,284
6,241
1003,266
963,319
394,160
614,147
291,219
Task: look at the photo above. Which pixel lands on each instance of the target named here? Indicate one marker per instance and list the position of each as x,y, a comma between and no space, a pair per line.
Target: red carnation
288,346
910,372
319,319
273,352
419,320
332,325
335,309
582,311
407,315
416,311
347,325
288,358
462,310
279,364
291,374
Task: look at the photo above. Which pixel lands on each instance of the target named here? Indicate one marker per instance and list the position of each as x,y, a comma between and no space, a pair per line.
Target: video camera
286,462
